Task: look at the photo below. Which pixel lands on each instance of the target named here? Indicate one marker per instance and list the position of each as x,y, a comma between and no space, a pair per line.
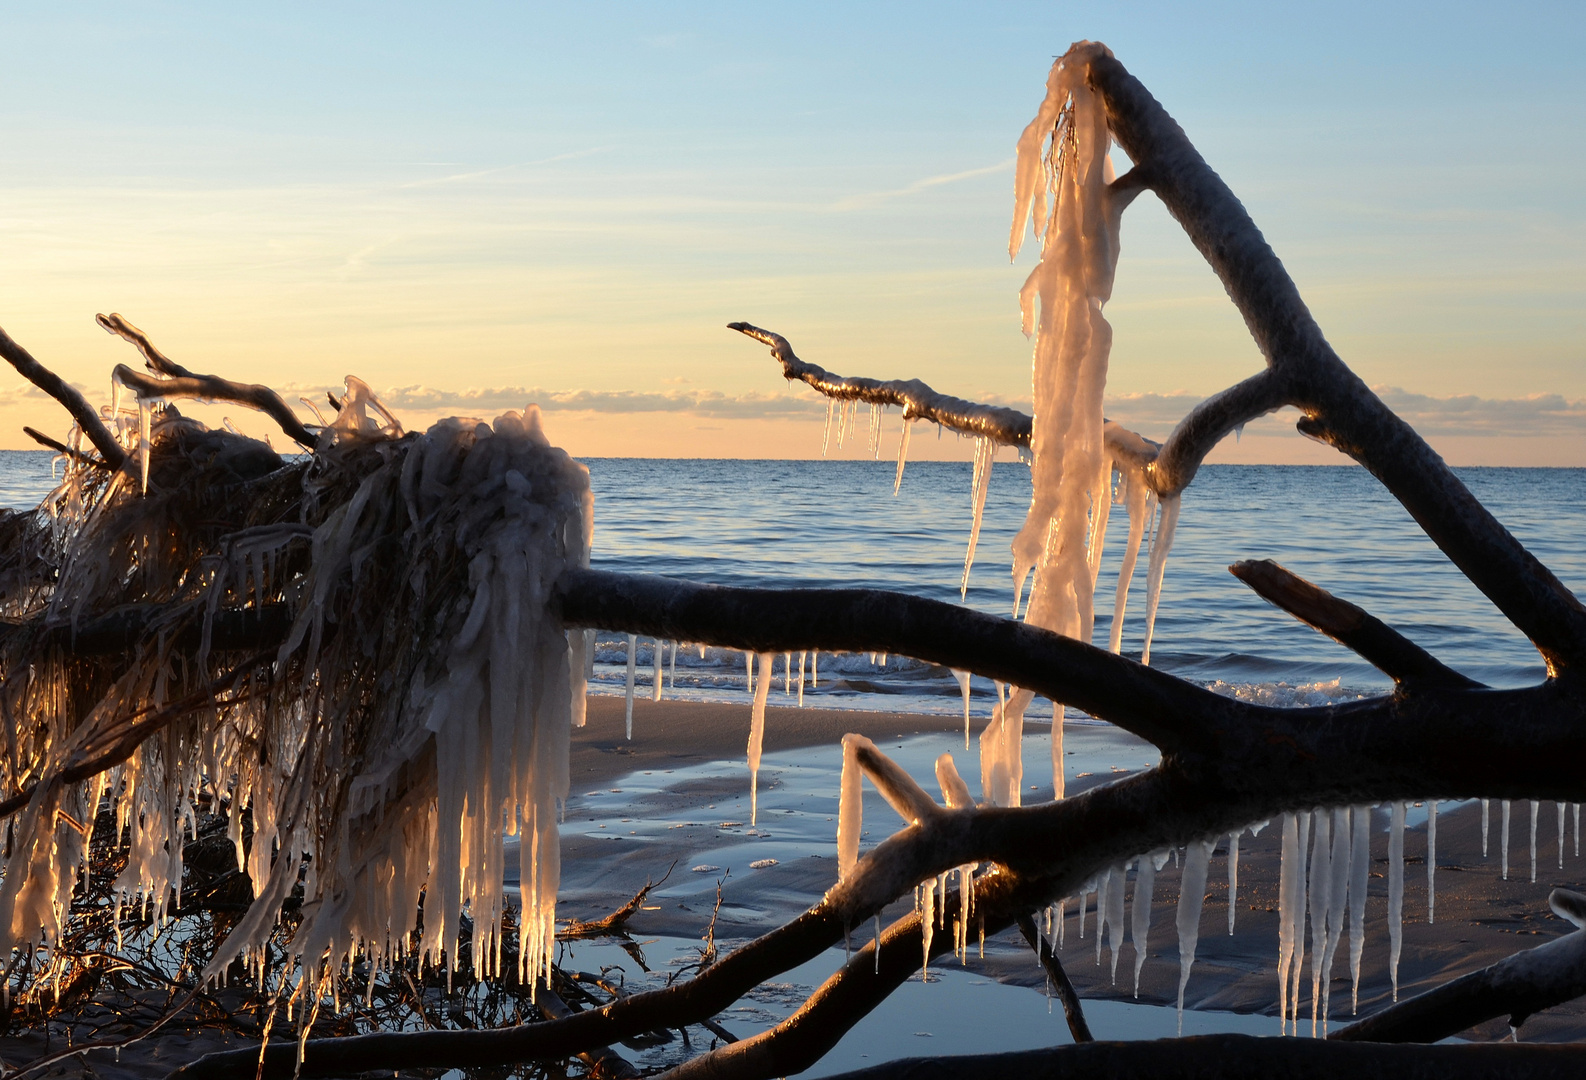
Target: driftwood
1224,762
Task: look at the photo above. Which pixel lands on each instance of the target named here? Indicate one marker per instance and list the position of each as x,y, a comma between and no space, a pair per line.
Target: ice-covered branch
1304,371
61,448
1000,424
1209,423
213,388
1003,425
57,388
1375,641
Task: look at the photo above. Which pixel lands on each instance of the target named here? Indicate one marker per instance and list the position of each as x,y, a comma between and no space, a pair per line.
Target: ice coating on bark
1161,544
955,793
1431,862
1359,875
757,732
1320,891
1066,145
1140,914
1191,897
1396,892
963,688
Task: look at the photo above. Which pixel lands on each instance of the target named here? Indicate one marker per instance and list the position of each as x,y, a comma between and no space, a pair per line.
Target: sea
811,523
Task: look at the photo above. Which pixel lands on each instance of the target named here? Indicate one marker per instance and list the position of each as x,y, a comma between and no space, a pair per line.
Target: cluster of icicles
1325,871
393,792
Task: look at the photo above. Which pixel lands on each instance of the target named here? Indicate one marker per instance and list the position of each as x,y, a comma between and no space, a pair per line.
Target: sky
472,206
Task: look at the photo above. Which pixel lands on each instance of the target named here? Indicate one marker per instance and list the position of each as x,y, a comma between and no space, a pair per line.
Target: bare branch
1384,647
157,361
1073,1011
1303,370
61,448
1209,423
57,388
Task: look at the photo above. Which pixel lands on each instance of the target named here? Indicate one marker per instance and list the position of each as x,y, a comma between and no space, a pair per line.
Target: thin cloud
698,402
871,198
457,178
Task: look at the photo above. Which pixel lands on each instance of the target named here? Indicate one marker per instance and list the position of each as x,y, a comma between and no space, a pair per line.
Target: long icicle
757,732
1359,875
1396,893
1192,895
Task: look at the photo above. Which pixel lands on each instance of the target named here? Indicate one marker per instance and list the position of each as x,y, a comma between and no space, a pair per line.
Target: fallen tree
357,665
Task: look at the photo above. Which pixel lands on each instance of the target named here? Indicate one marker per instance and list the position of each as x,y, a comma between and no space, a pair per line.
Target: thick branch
57,388
1147,702
1377,642
1340,407
1247,1057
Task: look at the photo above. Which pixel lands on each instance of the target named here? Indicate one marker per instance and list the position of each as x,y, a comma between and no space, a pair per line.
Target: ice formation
660,651
963,688
980,481
1536,809
633,665
1359,875
398,764
1431,858
1503,840
1140,914
1192,895
762,685
1233,878
1116,878
903,453
1001,764
1396,892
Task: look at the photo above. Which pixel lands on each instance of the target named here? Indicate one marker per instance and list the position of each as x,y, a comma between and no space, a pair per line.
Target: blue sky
469,204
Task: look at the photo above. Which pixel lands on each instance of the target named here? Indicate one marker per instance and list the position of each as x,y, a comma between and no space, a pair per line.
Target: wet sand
1480,918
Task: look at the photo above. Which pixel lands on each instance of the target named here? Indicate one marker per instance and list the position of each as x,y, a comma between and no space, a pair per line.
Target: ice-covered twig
213,388
1304,371
57,388
1516,987
999,423
1384,647
61,448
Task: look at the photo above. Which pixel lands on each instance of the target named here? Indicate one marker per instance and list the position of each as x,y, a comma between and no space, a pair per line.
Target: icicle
903,454
815,669
1103,906
1192,894
802,657
1561,836
927,925
1536,808
1161,544
826,436
1396,892
1321,885
1140,914
875,432
1359,874
1083,893
1504,840
1576,807
1233,878
1486,817
963,688
1288,869
633,646
757,732
748,672
877,947
850,807
660,651
1140,502
1431,863
1337,905
671,677
980,481
1115,928
787,673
